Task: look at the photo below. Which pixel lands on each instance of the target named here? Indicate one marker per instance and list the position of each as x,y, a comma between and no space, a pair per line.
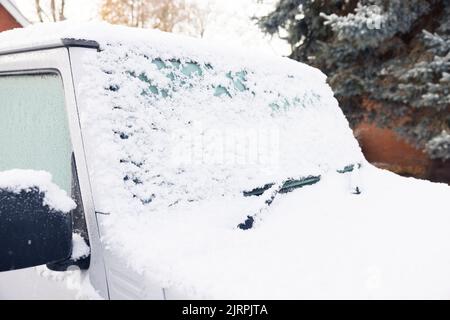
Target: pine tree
388,61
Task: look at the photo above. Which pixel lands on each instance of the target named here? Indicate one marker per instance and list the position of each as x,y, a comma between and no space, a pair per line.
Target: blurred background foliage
388,61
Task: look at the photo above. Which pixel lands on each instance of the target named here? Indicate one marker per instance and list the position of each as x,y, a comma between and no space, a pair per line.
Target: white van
136,164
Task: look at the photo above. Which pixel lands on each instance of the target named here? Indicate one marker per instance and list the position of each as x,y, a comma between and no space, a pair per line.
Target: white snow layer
75,280
175,131
318,242
80,249
26,180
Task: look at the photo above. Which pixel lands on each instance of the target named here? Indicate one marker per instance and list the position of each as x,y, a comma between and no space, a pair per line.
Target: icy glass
179,72
34,131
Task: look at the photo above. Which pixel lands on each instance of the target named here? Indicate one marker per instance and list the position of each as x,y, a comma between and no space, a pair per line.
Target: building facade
10,16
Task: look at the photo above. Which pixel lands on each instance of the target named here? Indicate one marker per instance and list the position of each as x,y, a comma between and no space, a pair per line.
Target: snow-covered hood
318,242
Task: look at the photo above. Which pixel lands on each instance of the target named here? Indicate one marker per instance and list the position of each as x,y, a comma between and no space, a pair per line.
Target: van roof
98,34
48,36
94,35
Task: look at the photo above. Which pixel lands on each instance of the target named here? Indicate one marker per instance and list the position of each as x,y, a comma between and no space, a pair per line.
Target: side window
34,132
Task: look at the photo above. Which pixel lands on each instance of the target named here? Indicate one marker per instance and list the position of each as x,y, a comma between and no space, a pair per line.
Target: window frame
58,60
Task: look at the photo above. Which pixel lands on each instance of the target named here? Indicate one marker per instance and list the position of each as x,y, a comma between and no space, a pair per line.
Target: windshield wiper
286,187
292,184
258,191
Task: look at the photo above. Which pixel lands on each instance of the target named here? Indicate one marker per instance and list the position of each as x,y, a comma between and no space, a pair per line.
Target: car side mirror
32,233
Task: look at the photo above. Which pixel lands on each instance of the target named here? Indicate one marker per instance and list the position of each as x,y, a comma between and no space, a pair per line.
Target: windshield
187,128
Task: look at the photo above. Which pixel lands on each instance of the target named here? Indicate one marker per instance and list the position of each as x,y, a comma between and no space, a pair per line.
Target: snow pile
321,241
18,180
80,249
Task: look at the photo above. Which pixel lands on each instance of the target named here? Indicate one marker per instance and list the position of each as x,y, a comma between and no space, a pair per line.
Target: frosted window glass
34,131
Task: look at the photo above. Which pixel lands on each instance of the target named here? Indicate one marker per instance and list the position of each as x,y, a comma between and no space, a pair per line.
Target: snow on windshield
175,126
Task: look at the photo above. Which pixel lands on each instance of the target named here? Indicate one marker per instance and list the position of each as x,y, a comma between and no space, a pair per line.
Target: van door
34,134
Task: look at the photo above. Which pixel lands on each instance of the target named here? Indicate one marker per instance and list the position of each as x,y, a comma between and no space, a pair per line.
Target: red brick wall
385,149
7,21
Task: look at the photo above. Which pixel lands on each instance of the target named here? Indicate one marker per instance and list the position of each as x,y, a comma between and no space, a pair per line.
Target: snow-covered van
142,165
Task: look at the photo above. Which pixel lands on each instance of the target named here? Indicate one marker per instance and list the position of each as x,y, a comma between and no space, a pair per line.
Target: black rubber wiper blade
258,191
287,186
291,184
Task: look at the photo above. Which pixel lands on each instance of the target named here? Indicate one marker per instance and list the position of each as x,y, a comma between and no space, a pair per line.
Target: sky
230,20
